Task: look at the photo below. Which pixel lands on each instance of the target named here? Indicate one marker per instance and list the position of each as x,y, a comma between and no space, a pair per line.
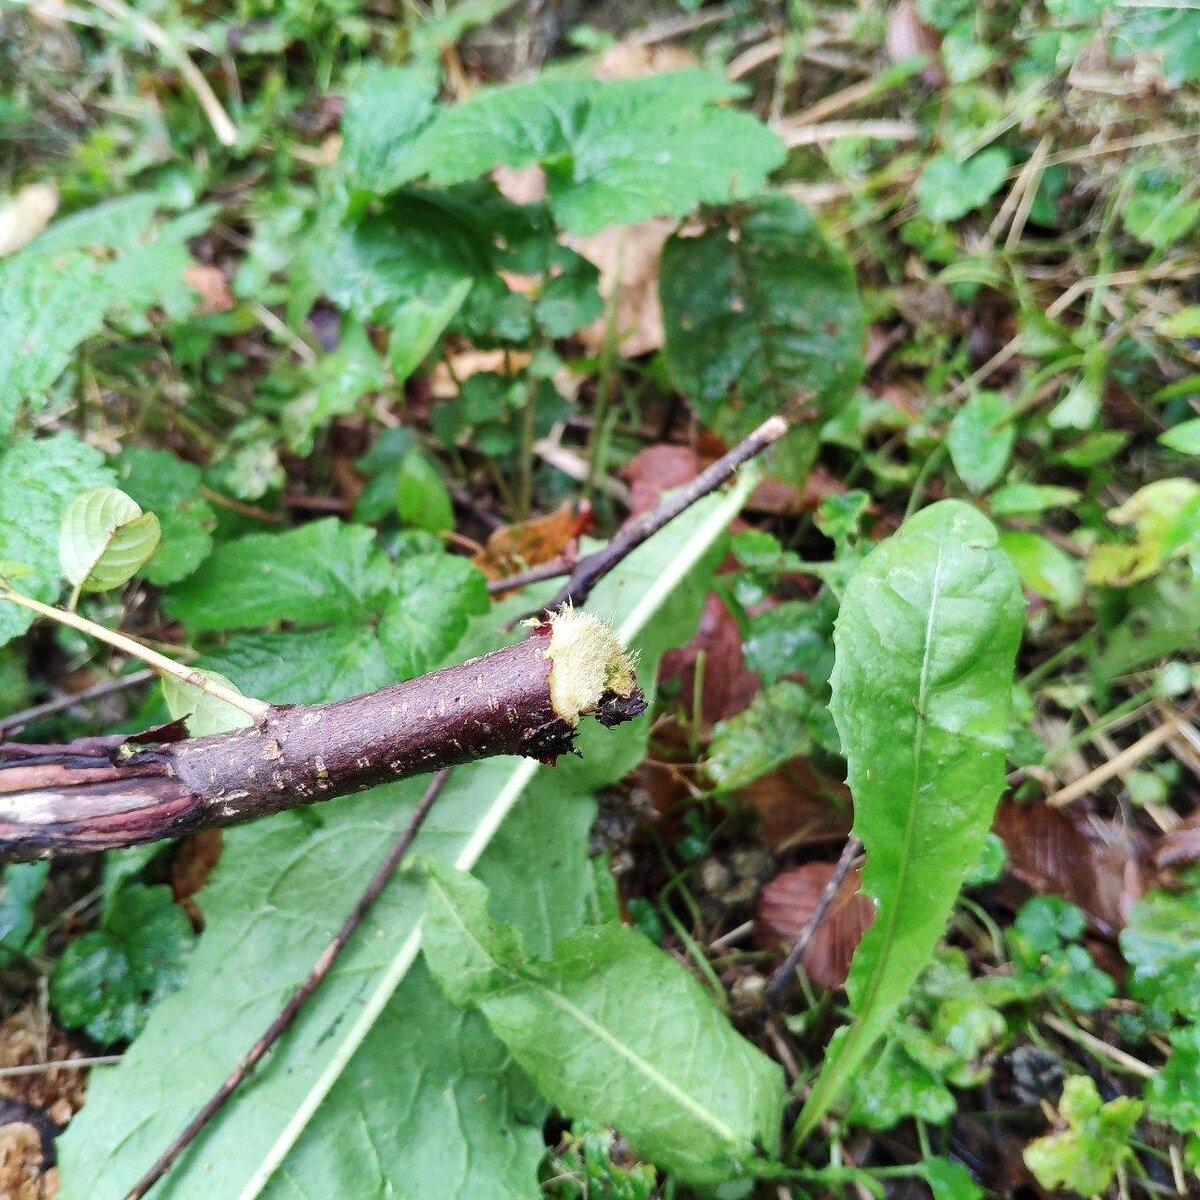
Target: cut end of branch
587,665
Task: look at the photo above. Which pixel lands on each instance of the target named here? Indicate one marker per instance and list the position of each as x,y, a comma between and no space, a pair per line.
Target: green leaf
385,110
780,723
1159,209
20,886
1017,499
1086,1155
170,488
56,293
432,1100
1044,568
282,888
38,479
614,153
1161,944
950,1180
106,980
324,571
1172,30
204,714
759,309
949,189
105,538
1173,1095
1184,437
922,683
422,498
613,1030
428,612
895,1087
416,326
981,439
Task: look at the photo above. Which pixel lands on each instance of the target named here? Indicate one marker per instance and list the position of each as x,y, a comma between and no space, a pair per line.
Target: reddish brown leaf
908,37
209,283
192,862
1180,847
1092,862
656,470
798,806
529,543
727,684
787,902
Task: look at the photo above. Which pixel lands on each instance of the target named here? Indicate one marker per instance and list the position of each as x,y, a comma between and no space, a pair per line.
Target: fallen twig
590,570
100,793
61,703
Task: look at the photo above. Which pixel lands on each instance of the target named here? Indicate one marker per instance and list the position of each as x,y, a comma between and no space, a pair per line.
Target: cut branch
100,793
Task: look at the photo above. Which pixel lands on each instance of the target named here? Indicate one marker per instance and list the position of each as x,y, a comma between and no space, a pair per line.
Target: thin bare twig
59,1064
782,977
561,565
590,570
280,1025
61,703
256,710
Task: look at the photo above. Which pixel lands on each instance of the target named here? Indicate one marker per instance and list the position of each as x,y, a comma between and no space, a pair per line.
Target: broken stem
526,699
257,710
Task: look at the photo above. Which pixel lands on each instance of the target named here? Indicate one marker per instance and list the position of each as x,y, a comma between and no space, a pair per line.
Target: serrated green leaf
106,980
105,538
925,645
612,1029
759,312
1173,1095
38,479
614,152
1086,1155
326,571
56,293
280,891
434,597
385,110
1161,944
981,439
204,714
170,488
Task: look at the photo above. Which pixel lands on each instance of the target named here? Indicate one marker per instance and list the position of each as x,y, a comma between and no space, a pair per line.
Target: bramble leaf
759,309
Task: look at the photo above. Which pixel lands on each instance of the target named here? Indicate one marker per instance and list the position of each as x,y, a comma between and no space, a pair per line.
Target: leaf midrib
589,1023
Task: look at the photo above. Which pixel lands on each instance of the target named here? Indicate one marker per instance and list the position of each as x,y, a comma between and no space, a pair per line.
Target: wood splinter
526,699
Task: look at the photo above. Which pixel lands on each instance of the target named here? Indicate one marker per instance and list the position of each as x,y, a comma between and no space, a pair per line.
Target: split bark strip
590,570
287,1015
783,977
525,699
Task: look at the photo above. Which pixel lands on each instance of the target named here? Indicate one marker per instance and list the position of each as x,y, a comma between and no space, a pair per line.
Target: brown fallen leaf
629,59
529,543
210,284
28,1038
192,862
798,806
908,36
21,1174
1181,846
657,469
727,685
785,905
1092,862
25,215
627,258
